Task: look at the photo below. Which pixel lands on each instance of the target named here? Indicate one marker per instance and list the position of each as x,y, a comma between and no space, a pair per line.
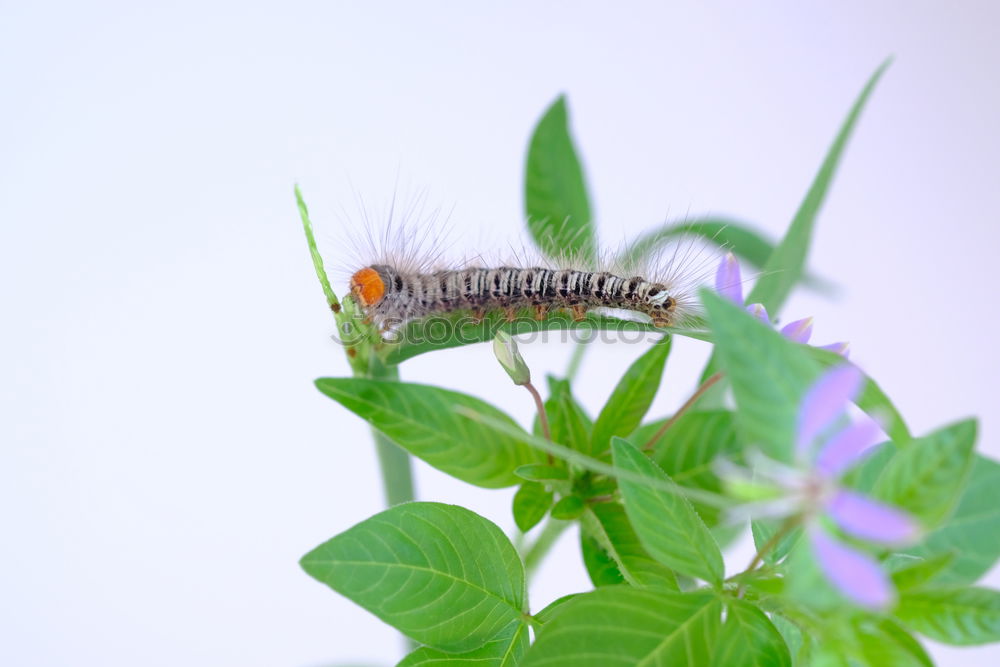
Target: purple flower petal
857,575
870,520
842,348
798,331
844,449
824,402
759,311
728,281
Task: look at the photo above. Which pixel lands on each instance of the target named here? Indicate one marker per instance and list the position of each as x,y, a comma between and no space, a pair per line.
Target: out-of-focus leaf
749,639
555,194
785,265
530,504
732,235
961,616
631,397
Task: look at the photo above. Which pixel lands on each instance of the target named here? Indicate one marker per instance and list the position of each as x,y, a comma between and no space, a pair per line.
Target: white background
165,457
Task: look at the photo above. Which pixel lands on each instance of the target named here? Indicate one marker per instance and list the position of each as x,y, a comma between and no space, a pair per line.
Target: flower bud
505,349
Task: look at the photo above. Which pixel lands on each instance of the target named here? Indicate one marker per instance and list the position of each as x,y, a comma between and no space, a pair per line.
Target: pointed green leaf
506,650
785,265
421,419
920,572
541,472
568,508
667,525
886,643
749,639
961,616
732,235
555,193
619,626
440,574
972,533
568,422
689,448
927,476
608,526
769,375
531,502
631,397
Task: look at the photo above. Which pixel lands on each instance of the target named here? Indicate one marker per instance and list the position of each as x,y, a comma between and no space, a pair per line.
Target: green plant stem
394,461
543,418
577,358
534,555
705,386
783,530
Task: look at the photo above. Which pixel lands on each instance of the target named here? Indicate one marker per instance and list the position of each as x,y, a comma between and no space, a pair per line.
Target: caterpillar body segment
388,295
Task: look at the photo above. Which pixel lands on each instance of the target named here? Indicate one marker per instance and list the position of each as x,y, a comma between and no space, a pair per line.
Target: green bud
505,349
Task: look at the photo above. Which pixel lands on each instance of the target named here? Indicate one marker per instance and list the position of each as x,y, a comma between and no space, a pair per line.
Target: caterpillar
403,276
387,294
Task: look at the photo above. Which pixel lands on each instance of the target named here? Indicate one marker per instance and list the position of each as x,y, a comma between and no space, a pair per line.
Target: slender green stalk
534,555
394,461
578,352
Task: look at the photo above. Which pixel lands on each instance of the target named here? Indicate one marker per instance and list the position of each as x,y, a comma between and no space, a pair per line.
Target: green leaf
555,194
764,529
609,528
506,650
440,574
541,472
568,508
568,422
531,502
917,574
865,473
667,525
972,533
961,617
885,643
600,566
689,448
732,235
926,477
749,639
622,626
458,329
553,608
769,375
631,397
785,265
317,259
421,419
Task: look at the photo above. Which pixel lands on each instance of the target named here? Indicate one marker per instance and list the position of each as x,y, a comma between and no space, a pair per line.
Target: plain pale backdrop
165,457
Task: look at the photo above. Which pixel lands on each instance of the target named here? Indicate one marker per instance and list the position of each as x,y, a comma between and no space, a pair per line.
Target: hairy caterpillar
387,294
403,277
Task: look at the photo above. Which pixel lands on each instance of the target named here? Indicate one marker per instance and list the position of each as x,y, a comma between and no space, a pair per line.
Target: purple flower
827,444
729,283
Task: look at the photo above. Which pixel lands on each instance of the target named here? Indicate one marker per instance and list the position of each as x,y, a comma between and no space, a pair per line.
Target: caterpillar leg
510,314
541,311
579,312
477,315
